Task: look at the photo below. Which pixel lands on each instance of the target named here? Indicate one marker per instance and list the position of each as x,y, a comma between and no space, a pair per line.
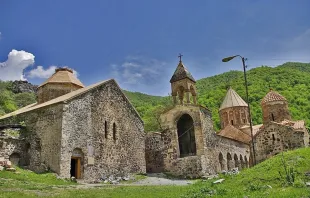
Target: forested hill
292,80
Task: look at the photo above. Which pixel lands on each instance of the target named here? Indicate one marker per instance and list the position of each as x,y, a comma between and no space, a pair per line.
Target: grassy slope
250,182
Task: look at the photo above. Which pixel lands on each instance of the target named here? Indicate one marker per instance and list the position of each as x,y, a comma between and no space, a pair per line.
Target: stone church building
86,132
94,131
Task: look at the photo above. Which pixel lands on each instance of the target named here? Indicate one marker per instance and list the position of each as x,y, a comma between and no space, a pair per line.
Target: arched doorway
77,159
241,162
222,162
229,162
186,136
15,158
236,161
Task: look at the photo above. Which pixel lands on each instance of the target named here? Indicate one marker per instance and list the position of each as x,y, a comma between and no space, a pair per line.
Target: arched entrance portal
76,163
186,136
15,159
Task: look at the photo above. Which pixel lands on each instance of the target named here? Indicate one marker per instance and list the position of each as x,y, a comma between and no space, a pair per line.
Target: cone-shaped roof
273,96
63,75
232,99
180,73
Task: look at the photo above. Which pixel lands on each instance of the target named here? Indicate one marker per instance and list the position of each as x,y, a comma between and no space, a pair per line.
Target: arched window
114,131
186,136
236,161
105,129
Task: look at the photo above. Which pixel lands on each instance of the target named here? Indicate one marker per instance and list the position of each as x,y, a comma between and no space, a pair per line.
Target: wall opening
222,162
76,166
273,137
229,162
186,136
236,161
232,122
15,158
105,129
241,162
246,165
114,131
272,117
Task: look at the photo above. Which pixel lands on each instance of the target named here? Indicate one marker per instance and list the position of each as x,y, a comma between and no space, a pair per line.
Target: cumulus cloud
12,68
40,72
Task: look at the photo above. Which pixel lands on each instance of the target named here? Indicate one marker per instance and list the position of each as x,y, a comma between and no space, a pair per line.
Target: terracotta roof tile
233,133
272,96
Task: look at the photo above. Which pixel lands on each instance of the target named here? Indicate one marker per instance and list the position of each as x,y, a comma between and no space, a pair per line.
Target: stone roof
65,98
63,75
232,99
180,73
272,96
233,133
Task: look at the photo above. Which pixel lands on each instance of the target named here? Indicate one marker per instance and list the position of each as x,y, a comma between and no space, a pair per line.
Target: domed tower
183,84
275,107
234,110
63,81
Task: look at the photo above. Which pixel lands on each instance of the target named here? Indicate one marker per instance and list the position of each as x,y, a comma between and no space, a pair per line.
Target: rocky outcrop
20,86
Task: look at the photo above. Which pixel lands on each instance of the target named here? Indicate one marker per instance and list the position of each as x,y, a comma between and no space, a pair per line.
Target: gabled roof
65,98
272,96
63,75
233,133
232,99
180,73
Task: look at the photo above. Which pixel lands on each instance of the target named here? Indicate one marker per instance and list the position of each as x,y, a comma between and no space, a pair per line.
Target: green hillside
292,80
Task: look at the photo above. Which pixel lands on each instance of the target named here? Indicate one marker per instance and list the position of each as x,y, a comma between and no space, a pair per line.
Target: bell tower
183,85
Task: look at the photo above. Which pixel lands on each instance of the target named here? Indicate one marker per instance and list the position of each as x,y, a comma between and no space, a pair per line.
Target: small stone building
278,132
86,132
188,146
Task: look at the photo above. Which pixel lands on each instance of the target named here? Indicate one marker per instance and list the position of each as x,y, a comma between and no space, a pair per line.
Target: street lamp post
247,99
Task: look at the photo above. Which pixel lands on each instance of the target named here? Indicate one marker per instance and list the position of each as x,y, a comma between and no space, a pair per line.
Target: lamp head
228,58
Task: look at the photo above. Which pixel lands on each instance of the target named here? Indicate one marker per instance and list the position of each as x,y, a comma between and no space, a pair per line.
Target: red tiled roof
272,96
233,133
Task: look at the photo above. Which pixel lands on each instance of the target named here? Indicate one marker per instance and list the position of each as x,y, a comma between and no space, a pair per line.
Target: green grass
253,182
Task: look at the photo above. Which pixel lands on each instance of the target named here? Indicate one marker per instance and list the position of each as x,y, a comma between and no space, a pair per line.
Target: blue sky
137,42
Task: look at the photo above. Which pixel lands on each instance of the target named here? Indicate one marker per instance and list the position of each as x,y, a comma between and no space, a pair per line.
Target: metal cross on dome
180,56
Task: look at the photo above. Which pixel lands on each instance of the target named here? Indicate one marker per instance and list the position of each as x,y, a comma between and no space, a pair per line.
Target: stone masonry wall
104,153
275,138
154,157
43,135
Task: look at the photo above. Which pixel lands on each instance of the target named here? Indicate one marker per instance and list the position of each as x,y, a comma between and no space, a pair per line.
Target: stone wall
154,156
276,111
209,146
43,135
274,138
13,146
108,148
236,116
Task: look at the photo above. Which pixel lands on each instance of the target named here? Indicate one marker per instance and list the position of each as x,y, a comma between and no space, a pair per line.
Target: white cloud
137,70
0,35
12,68
40,72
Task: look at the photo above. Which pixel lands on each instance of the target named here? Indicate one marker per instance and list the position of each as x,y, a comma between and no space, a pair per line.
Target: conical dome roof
272,96
63,75
232,99
180,73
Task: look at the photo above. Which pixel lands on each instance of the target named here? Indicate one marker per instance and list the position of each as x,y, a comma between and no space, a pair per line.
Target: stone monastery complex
91,132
